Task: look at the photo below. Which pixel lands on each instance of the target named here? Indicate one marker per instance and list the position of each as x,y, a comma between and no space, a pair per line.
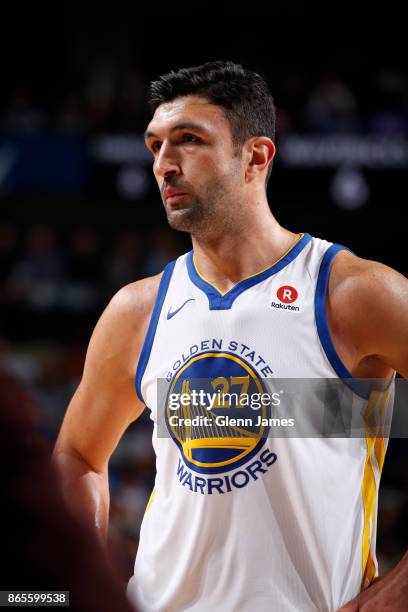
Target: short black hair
243,95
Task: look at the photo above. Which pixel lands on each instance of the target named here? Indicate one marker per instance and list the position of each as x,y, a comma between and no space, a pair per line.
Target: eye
155,146
190,138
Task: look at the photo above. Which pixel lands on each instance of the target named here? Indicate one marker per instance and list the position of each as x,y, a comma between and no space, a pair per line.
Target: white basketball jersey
249,517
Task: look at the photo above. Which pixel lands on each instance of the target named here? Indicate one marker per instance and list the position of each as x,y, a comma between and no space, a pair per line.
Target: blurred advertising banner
42,162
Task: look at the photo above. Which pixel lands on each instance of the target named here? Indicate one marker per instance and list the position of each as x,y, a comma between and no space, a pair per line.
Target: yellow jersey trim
375,455
151,498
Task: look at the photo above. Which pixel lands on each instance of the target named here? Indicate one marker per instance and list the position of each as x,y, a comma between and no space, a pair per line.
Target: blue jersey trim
217,301
357,386
151,332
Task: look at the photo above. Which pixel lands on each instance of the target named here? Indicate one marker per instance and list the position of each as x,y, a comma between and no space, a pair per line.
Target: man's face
200,177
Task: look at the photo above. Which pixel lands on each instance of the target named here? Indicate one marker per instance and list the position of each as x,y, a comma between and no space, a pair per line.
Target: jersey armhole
151,331
357,386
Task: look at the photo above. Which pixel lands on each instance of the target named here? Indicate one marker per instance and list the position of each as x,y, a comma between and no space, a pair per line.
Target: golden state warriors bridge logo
216,415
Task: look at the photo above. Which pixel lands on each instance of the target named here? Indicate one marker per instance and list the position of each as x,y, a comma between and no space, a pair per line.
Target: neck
252,247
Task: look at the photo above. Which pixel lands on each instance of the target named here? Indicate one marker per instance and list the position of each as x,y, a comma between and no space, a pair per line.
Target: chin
181,220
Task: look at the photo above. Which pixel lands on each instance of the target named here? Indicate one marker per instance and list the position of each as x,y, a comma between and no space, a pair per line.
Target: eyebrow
180,126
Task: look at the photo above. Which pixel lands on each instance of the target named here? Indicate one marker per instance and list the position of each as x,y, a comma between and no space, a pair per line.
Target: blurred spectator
290,100
85,256
165,245
131,477
8,252
390,102
100,94
124,263
44,546
53,389
71,118
22,115
36,276
390,515
22,367
132,106
331,108
84,271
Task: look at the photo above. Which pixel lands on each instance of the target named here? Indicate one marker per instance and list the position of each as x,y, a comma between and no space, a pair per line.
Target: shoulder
362,280
136,300
119,334
367,306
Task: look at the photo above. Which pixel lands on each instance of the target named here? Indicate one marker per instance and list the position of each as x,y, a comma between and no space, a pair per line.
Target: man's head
212,137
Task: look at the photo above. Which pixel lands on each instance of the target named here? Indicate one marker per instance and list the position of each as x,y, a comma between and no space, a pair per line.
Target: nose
166,163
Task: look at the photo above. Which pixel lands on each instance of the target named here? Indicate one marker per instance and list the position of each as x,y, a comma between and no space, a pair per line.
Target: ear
260,151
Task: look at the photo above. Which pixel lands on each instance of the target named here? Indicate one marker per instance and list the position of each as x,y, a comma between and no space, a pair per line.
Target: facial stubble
212,213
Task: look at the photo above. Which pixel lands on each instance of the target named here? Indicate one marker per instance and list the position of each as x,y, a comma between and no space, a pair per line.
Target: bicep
105,402
383,317
392,327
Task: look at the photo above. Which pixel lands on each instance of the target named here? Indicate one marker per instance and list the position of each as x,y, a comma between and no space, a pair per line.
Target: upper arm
105,402
370,303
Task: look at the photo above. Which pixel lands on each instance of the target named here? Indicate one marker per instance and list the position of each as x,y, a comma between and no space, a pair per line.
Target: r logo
287,294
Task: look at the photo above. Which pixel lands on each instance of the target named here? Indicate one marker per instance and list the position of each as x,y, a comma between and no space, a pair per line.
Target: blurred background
80,215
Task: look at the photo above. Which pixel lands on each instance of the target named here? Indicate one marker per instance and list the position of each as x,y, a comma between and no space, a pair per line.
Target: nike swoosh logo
171,314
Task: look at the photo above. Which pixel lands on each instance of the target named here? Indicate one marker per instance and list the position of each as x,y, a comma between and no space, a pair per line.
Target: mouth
175,198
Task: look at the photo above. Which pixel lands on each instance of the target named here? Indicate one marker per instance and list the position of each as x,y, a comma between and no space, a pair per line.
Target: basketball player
258,523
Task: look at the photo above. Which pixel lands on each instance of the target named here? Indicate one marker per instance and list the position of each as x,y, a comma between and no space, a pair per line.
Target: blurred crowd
53,286
108,98
48,375
44,269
